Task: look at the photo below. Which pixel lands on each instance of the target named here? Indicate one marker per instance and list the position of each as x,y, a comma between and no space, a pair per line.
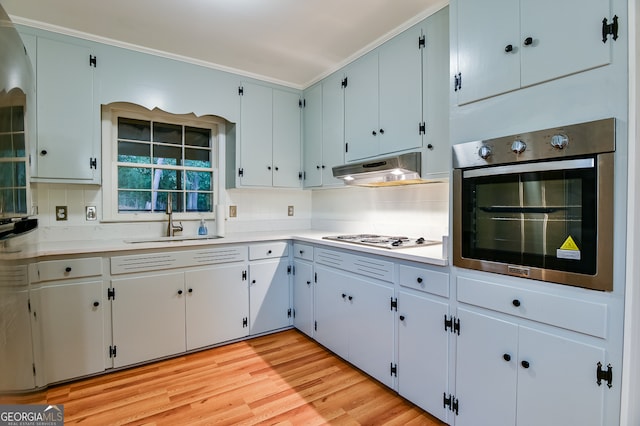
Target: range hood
401,169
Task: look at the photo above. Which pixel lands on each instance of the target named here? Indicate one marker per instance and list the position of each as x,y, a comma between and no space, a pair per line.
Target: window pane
167,133
5,119
20,173
195,136
6,146
176,201
134,201
17,119
197,157
198,181
134,178
169,155
131,152
167,179
199,201
19,149
139,130
7,174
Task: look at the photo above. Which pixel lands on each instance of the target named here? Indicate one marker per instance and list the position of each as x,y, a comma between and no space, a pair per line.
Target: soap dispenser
202,229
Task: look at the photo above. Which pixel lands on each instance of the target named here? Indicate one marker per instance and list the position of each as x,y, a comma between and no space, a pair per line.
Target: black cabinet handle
268,167
308,282
43,152
269,252
301,251
515,302
190,290
382,131
508,48
374,133
525,364
323,166
401,317
344,295
96,304
430,146
506,357
350,297
419,280
179,291
67,269
528,41
253,281
318,167
276,168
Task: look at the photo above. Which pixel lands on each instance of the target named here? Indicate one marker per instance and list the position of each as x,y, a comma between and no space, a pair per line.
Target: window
154,154
13,161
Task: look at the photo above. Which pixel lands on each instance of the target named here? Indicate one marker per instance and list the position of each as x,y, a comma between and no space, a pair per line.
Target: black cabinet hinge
315,325
393,371
610,29
346,147
604,374
300,175
422,41
315,277
422,128
112,351
290,270
394,304
240,90
33,369
450,401
245,322
244,275
93,61
111,293
302,103
241,172
457,82
29,305
93,163
344,82
294,313
452,324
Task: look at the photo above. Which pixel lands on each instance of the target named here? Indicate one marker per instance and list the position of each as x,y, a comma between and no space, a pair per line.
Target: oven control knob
484,152
518,146
559,141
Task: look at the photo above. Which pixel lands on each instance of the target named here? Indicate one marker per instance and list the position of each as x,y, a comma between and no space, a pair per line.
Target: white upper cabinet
383,99
312,160
503,45
67,148
269,138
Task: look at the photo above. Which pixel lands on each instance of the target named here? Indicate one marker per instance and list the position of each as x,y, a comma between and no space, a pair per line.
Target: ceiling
291,42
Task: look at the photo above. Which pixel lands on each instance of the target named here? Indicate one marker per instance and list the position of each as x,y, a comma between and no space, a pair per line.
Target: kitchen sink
175,239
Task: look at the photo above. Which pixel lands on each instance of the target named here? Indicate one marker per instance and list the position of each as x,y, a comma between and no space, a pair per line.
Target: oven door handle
525,210
543,166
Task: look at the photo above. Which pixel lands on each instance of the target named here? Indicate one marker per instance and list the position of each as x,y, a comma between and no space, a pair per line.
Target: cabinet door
286,139
423,352
303,297
370,327
256,133
268,296
65,112
361,132
148,317
559,386
331,309
332,128
71,320
486,370
484,30
567,38
400,92
312,141
16,350
217,303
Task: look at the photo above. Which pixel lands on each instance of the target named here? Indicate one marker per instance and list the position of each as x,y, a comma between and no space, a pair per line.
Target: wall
414,210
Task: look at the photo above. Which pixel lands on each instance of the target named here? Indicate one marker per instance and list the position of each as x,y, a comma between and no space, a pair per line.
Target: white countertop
432,254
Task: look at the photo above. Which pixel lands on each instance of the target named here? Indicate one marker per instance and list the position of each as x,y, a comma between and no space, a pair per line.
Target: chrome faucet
171,227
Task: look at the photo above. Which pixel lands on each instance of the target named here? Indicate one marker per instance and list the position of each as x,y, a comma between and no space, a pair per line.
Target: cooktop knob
518,146
484,152
559,141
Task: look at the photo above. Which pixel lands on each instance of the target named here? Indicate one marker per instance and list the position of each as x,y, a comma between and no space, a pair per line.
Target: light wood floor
284,379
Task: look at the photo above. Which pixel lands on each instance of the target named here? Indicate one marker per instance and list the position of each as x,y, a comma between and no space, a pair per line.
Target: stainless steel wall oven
538,205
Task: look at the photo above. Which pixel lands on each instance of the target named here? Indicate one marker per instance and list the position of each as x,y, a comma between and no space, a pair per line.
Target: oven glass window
541,219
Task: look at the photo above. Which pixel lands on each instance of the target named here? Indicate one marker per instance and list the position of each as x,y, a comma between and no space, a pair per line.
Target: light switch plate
61,213
233,211
290,211
91,213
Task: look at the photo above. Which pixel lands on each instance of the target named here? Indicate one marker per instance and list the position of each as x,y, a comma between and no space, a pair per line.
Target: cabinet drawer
570,313
367,266
302,251
268,251
67,269
424,280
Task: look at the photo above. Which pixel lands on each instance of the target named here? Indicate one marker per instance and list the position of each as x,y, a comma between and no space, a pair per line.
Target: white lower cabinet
217,308
354,319
510,374
423,351
148,317
269,300
303,296
71,320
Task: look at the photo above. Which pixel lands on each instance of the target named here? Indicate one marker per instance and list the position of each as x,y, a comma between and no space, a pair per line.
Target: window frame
110,115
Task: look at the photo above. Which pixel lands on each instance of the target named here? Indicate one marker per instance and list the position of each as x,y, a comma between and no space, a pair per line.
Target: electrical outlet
61,213
290,211
233,211
91,213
